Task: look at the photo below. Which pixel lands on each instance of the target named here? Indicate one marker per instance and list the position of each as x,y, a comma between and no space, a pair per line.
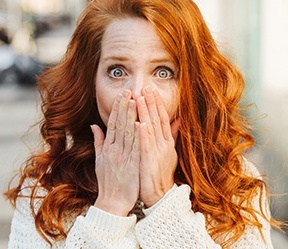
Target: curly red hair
213,135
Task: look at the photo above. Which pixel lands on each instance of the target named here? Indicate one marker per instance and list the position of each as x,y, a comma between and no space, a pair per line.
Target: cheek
171,102
104,108
104,99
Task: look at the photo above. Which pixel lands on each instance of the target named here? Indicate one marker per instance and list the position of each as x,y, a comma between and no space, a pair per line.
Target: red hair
213,135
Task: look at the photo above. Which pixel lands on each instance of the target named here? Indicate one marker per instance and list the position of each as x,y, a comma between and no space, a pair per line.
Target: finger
144,115
135,155
153,112
134,159
122,117
111,125
145,145
175,128
98,139
130,126
163,115
145,149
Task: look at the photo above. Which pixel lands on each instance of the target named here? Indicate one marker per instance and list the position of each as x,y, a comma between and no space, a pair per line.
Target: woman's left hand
158,159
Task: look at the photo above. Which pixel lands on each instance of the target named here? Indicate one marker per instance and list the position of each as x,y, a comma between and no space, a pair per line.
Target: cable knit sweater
170,223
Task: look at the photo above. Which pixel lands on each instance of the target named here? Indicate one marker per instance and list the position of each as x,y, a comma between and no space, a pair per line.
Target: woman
167,168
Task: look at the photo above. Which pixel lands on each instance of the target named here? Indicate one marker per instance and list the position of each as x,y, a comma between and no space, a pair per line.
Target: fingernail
142,100
92,127
148,90
155,92
118,98
132,102
137,125
126,93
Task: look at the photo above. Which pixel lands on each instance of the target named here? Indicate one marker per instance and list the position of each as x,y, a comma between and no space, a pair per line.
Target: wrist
148,210
112,207
153,199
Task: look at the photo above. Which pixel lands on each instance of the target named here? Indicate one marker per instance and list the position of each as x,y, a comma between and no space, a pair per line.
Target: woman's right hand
117,158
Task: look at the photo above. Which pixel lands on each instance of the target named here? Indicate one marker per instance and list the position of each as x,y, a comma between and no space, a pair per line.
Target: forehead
131,34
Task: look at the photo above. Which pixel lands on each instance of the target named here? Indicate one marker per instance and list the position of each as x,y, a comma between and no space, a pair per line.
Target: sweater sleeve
172,224
99,229
96,230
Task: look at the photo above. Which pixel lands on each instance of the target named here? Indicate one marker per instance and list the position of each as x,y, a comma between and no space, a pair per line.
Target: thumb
175,128
98,138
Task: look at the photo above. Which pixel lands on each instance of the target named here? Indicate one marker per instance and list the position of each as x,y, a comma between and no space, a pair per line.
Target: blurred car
18,69
43,23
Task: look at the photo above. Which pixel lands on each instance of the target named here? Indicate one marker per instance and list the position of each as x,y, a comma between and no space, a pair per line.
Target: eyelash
110,68
171,71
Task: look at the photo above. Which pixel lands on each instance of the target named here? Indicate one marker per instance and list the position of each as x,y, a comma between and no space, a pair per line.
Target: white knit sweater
170,223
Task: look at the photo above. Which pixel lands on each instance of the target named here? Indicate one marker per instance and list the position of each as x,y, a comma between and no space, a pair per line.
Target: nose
137,84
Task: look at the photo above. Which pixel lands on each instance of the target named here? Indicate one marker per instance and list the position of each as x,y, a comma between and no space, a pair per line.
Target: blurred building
249,32
24,24
16,12
252,33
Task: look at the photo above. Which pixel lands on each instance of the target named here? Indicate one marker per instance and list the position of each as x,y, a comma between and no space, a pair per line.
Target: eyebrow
162,60
123,58
115,58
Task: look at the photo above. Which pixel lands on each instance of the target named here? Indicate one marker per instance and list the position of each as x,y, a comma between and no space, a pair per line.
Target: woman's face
133,57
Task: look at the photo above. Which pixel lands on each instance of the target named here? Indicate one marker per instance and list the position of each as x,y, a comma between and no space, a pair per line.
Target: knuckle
146,149
150,129
114,151
119,125
136,146
155,121
128,135
111,125
165,119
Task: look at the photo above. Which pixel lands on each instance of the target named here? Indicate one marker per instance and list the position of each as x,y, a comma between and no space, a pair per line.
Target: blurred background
251,33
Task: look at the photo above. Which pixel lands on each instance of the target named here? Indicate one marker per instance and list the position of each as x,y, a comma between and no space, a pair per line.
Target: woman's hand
157,145
118,158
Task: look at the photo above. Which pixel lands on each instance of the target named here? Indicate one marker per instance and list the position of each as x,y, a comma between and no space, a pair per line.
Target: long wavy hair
213,136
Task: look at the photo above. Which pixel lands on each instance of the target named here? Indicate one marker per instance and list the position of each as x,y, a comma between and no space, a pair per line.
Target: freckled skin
133,44
136,93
